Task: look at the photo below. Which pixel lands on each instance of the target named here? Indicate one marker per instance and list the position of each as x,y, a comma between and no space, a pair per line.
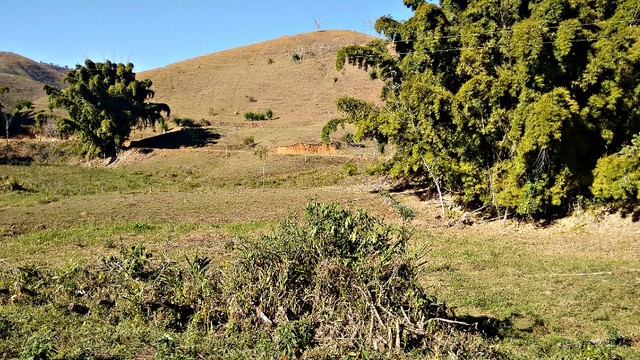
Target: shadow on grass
185,137
488,326
15,160
631,210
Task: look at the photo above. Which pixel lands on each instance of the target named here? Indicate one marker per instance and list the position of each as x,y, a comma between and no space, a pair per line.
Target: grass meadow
569,289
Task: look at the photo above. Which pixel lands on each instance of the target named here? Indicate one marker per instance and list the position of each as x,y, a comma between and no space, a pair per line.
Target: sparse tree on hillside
18,111
262,155
104,101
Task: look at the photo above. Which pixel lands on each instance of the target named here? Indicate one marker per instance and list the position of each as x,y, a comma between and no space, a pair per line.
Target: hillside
221,87
25,77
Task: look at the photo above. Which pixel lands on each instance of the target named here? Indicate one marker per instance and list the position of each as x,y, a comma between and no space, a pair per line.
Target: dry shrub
345,278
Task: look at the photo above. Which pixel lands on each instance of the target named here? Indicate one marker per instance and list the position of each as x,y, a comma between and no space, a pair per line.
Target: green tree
104,101
503,104
18,111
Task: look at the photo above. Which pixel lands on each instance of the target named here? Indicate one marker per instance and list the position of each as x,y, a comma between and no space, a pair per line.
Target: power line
514,29
453,49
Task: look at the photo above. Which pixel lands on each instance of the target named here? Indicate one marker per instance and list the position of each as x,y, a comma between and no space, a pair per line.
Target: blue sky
154,33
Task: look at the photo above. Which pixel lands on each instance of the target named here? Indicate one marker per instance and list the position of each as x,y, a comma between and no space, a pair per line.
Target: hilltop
295,76
25,77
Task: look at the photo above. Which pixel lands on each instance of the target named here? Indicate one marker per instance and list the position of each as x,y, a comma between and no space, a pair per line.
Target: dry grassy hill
294,76
25,78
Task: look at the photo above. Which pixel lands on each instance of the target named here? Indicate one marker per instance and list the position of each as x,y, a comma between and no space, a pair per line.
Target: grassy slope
25,78
302,93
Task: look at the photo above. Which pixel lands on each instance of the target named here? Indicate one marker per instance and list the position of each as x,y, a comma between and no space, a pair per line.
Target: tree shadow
185,137
15,160
489,327
630,210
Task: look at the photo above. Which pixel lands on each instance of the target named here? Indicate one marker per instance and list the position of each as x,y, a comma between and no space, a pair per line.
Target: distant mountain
25,78
294,76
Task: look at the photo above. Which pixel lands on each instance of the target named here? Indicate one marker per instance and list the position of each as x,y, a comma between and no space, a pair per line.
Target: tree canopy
104,101
505,104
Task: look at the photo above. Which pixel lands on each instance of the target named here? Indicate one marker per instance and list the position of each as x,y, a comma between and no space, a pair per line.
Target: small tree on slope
104,101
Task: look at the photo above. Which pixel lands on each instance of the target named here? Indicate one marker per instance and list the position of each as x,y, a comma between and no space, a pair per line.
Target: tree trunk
435,181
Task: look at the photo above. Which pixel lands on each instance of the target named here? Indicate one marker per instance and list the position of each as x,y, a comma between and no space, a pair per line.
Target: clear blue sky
154,33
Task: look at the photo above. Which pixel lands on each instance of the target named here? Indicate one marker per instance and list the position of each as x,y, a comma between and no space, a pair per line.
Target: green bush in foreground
335,283
617,177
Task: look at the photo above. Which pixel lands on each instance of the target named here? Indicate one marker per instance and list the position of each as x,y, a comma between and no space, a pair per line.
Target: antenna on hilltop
317,21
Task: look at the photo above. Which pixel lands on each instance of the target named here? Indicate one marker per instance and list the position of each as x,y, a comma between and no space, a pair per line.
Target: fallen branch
479,209
455,322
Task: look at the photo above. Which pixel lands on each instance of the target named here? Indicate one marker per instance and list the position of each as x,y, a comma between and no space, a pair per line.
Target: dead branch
455,322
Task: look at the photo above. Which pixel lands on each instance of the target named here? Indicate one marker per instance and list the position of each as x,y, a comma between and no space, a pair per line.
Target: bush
249,141
185,122
350,169
617,177
344,277
38,346
258,116
251,116
11,185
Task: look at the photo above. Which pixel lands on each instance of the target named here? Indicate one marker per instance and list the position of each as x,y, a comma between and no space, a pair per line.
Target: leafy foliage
617,177
504,104
104,101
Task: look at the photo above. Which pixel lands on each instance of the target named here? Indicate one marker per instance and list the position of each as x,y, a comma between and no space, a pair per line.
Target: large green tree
502,103
103,102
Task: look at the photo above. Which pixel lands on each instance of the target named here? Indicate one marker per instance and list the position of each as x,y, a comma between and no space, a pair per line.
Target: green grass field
571,289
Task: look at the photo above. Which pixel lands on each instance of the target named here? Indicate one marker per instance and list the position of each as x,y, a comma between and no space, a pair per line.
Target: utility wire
461,48
514,29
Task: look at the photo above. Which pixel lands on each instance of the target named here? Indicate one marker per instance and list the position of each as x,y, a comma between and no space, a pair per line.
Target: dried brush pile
342,279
